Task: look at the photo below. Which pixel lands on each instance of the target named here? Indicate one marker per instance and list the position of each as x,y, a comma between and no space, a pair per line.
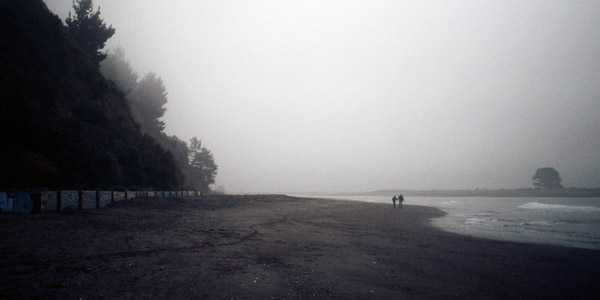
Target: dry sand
274,247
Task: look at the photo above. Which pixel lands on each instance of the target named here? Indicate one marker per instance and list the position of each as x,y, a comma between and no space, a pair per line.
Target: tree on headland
147,98
88,30
148,101
202,165
546,178
118,70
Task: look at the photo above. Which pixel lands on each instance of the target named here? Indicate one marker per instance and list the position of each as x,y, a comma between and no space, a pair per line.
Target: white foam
484,214
558,207
542,223
451,202
473,221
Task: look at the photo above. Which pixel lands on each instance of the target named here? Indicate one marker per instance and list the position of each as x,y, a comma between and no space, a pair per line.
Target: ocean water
570,222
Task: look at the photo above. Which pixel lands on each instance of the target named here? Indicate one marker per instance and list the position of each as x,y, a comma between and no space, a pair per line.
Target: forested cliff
62,124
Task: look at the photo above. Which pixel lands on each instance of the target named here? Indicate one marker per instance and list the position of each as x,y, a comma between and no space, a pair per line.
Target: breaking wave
559,207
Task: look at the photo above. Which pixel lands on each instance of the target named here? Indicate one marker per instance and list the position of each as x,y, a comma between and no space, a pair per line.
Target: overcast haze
300,96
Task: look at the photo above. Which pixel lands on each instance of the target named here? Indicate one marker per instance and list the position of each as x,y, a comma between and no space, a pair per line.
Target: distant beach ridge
529,192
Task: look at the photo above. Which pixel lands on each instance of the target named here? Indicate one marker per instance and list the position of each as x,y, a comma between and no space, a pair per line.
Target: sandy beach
274,247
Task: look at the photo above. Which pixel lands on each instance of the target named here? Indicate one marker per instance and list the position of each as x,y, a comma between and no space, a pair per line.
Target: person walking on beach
394,200
400,200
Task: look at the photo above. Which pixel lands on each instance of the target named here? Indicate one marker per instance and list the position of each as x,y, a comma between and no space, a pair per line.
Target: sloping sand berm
274,247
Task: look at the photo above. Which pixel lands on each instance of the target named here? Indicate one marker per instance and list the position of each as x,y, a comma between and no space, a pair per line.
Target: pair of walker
400,199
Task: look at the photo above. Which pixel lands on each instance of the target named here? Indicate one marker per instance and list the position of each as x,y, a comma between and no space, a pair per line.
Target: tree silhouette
118,70
546,178
202,165
88,30
148,101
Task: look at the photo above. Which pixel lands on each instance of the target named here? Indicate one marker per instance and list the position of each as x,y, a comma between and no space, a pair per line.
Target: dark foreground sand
274,247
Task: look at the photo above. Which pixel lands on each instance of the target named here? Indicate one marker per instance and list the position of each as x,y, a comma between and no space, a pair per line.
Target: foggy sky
299,96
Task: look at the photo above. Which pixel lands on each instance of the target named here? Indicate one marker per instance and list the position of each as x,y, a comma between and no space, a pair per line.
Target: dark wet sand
274,247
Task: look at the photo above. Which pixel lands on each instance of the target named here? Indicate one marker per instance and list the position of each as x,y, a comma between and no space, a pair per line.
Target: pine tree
202,165
118,70
148,101
88,30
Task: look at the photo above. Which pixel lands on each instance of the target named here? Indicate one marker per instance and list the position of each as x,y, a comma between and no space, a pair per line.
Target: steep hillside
61,123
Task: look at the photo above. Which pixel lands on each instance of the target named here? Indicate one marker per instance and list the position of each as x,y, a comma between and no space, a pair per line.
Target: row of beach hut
33,202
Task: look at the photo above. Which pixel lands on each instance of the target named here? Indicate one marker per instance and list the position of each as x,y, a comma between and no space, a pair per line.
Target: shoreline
263,246
507,228
501,193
